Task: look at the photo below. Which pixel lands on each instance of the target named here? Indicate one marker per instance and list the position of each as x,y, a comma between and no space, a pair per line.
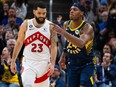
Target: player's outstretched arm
18,46
86,35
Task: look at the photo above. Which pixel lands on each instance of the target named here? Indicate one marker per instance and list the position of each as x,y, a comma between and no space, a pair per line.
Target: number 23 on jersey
37,47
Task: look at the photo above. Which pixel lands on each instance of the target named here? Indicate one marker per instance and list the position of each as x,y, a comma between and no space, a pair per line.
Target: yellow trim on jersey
73,29
94,60
88,46
8,77
92,80
25,20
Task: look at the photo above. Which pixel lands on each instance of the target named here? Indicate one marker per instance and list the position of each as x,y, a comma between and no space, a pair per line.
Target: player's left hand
51,68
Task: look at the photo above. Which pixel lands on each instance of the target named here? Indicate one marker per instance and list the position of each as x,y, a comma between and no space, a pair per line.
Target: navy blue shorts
80,76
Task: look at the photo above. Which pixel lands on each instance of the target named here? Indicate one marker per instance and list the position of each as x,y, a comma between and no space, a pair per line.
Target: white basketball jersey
37,41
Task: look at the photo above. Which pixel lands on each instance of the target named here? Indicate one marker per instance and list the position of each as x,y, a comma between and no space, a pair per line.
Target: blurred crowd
101,14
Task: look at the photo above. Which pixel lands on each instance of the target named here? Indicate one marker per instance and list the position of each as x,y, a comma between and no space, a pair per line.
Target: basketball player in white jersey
40,49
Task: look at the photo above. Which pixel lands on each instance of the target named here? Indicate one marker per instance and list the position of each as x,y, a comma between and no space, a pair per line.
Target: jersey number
70,45
37,47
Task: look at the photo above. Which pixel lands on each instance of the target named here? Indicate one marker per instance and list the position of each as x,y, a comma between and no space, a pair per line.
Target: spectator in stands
90,14
12,13
8,79
105,72
103,29
5,9
2,41
59,20
102,25
8,35
112,42
103,7
110,68
11,44
111,23
12,25
21,9
107,49
56,80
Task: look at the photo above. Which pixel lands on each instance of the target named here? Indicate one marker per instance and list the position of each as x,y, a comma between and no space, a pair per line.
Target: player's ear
34,12
82,13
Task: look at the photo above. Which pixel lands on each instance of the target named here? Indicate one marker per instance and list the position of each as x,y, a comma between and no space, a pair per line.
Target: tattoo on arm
54,37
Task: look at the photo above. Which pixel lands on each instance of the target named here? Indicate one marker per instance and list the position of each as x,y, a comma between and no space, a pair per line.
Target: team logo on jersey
45,29
30,26
77,32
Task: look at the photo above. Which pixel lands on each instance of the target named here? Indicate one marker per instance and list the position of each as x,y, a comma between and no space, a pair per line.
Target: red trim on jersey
22,69
42,78
37,36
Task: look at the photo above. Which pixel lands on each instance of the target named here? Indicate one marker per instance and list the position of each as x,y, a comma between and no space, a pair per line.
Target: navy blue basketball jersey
79,56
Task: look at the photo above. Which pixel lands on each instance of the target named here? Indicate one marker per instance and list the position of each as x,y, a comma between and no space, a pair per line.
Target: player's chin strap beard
38,21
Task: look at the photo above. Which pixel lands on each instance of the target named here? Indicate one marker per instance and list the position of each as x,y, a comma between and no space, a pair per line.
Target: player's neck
76,23
37,24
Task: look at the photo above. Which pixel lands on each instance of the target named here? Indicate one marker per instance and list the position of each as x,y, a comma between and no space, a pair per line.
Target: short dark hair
81,7
40,4
109,47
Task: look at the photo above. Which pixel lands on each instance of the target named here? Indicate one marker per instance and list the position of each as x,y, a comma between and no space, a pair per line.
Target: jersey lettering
72,49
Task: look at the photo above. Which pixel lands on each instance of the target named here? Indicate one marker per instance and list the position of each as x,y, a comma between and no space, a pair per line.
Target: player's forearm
53,54
16,50
63,56
75,40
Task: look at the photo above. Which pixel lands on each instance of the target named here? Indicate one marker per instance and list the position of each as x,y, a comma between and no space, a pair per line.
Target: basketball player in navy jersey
40,49
78,48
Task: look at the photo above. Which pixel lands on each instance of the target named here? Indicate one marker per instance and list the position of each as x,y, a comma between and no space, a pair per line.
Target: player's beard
40,21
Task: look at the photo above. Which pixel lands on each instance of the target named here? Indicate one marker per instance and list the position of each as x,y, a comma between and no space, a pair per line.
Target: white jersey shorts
35,73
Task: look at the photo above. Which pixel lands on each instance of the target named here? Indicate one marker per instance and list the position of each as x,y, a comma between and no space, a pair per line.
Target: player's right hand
13,67
55,28
62,63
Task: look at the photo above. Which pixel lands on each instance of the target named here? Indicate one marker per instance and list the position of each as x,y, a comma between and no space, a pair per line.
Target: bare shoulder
21,33
65,24
87,29
23,26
